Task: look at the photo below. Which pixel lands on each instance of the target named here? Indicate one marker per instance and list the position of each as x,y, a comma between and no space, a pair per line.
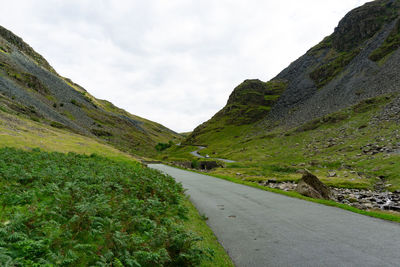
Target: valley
291,164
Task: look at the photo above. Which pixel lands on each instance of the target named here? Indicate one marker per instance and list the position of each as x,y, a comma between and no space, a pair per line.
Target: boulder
310,186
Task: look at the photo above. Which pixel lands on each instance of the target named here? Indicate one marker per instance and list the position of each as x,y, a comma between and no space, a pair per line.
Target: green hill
31,88
333,110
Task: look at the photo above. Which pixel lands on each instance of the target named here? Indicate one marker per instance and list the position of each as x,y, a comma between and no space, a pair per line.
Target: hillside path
260,228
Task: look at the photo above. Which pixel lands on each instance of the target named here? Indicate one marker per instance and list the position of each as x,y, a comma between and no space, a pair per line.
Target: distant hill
31,88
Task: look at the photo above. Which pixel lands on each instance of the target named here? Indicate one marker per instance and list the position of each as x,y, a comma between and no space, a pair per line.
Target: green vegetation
119,128
70,209
333,143
127,132
100,133
376,214
176,153
197,224
76,103
362,23
251,101
57,125
67,114
328,71
22,133
3,50
340,48
391,43
25,79
163,146
325,43
25,48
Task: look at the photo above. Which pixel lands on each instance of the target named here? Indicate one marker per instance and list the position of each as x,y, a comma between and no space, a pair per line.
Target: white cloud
171,61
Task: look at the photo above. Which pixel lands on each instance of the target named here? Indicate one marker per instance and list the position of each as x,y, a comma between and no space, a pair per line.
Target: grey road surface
259,228
196,154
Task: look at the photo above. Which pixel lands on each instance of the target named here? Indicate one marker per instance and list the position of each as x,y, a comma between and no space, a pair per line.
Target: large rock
311,186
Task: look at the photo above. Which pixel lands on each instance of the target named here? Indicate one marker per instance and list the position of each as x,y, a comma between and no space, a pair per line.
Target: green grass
376,214
71,209
22,133
3,50
391,44
329,144
25,134
177,153
328,71
197,224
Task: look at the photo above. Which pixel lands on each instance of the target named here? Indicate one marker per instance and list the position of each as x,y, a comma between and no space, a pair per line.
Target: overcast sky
171,61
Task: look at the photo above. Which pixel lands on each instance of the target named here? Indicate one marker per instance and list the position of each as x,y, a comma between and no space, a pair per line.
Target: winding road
260,228
196,154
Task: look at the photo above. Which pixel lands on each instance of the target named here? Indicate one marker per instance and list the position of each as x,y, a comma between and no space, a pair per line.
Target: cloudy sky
171,61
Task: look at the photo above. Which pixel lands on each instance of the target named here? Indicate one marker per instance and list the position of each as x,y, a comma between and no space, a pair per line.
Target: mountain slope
358,61
30,87
334,111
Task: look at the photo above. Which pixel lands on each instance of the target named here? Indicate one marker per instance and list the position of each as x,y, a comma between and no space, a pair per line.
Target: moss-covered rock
363,22
25,79
251,101
328,71
349,37
391,43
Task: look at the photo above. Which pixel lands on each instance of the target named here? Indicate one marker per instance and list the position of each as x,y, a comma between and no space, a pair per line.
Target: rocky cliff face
30,87
342,70
359,60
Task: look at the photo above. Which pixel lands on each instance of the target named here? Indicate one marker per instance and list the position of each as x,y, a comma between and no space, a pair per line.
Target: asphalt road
259,228
196,154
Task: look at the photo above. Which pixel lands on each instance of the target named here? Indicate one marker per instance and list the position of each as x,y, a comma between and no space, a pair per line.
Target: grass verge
197,224
376,214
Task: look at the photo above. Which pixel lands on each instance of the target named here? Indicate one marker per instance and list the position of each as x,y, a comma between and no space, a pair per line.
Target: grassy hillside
25,179
335,111
30,87
360,144
23,133
358,61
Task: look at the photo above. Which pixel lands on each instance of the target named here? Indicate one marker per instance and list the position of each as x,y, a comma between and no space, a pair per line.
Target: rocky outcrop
249,103
311,186
362,23
25,48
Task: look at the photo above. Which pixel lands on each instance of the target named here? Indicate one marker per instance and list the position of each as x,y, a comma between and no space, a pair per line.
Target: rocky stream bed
358,198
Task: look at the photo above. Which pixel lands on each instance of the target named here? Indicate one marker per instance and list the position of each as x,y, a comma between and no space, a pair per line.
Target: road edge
376,214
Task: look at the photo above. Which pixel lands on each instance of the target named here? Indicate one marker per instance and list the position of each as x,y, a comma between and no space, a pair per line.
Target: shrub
163,146
100,133
57,125
76,103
